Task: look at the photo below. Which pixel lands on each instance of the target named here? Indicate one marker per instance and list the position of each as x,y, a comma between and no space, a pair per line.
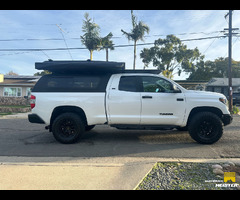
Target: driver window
156,84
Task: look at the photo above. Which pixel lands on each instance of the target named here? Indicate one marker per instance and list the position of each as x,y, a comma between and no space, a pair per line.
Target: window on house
12,92
28,92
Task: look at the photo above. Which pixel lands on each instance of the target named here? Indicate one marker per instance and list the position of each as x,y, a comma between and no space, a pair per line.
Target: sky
51,29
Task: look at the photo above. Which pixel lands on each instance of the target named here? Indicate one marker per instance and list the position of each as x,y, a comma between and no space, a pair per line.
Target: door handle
180,99
147,97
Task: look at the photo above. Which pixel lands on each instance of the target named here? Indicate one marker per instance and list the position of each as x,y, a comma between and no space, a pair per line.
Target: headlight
223,100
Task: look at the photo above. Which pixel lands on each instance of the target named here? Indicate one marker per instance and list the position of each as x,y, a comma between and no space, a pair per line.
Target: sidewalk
20,173
63,173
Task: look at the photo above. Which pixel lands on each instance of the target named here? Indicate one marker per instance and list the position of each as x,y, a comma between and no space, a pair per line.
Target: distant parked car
236,98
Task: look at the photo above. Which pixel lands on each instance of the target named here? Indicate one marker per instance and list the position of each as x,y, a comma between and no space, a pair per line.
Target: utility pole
230,89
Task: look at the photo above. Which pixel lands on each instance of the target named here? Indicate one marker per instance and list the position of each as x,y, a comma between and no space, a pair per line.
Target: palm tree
107,43
91,38
137,33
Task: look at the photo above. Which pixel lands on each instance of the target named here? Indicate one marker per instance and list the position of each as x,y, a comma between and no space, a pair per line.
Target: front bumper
227,119
34,118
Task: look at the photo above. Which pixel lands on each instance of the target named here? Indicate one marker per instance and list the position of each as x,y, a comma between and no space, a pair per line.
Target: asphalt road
18,137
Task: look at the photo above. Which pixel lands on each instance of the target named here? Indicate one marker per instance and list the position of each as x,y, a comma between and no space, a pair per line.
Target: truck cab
145,99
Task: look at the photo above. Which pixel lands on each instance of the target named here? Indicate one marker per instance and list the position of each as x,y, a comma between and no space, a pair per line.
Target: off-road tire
206,128
68,128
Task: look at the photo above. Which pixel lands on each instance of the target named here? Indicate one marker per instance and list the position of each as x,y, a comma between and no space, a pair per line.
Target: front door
160,104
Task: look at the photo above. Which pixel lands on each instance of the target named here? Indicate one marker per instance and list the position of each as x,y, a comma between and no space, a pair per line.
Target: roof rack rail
144,71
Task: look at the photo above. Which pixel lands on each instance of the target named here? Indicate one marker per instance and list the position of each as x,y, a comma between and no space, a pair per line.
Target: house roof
223,82
21,77
11,80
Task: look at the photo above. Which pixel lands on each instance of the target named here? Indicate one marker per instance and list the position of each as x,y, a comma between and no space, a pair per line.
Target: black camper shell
79,76
87,67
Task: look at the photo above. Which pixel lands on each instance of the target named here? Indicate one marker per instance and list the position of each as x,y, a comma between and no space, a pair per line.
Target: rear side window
129,84
51,83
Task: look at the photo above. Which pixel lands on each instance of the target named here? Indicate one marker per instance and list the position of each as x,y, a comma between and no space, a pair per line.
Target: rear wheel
68,128
206,128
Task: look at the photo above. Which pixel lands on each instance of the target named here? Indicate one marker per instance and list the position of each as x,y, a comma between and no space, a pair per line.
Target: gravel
182,176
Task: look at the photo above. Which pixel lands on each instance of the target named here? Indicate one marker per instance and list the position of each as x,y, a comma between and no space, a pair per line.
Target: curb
200,160
16,116
102,160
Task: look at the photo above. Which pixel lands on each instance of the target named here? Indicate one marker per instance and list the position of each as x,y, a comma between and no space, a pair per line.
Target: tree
215,69
137,33
203,71
12,73
107,43
171,55
42,73
91,38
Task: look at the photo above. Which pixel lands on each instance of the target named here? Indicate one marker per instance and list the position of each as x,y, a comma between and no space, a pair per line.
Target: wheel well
214,110
64,109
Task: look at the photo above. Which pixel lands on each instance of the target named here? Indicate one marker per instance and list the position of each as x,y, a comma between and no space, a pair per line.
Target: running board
143,127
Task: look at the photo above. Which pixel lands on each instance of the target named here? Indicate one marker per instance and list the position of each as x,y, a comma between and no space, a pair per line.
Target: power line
46,54
61,31
205,38
55,39
51,49
11,40
211,44
115,46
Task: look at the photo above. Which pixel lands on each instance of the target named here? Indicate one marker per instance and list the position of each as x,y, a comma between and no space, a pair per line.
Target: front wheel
206,128
67,128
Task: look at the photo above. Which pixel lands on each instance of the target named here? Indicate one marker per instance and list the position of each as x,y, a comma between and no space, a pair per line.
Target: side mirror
176,89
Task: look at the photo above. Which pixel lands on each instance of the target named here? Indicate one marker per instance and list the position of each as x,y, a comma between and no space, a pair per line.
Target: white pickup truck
81,94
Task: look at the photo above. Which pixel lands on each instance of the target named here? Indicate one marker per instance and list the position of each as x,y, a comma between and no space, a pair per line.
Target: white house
17,86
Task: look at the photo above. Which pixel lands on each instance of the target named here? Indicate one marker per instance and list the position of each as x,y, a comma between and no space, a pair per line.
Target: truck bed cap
87,67
80,66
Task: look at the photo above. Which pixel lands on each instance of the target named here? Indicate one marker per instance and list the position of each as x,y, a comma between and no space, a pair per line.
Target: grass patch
3,114
14,106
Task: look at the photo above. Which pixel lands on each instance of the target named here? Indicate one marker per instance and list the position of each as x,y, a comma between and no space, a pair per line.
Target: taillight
32,101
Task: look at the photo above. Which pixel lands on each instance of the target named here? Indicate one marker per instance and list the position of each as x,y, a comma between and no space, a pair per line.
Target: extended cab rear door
123,100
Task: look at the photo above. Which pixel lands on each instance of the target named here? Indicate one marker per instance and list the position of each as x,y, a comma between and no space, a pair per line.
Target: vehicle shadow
104,141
